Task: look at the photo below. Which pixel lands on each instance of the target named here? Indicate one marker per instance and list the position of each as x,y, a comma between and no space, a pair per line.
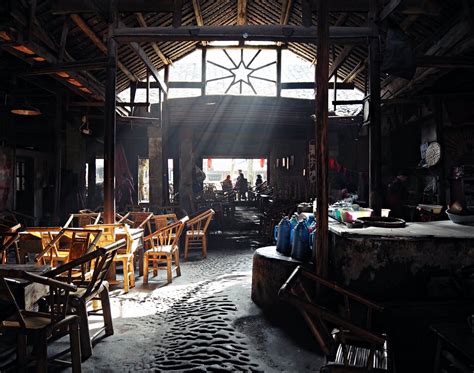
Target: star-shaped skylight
241,73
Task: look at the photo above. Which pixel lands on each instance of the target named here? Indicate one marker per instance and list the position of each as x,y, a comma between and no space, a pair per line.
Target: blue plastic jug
301,250
294,223
283,245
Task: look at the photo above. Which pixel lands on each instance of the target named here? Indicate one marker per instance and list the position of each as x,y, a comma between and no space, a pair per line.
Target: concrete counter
411,262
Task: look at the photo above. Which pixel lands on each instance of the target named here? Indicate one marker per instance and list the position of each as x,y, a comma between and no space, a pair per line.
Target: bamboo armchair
124,255
92,290
80,241
162,250
41,326
352,346
196,233
9,240
82,219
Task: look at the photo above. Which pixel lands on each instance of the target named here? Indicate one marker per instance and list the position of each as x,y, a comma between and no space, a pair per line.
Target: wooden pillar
110,130
58,161
278,69
322,87
375,138
203,71
164,145
186,164
91,182
155,156
438,112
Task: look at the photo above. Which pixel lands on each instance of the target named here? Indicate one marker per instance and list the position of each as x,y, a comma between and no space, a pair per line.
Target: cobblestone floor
204,321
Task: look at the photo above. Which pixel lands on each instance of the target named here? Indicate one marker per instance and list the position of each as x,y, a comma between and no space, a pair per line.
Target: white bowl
461,219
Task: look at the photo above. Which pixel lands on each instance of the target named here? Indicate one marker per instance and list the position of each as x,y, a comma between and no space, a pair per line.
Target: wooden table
455,345
25,292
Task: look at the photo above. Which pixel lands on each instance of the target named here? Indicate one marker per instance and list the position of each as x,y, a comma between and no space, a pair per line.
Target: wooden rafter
361,66
141,53
159,53
241,12
341,57
98,43
285,11
197,13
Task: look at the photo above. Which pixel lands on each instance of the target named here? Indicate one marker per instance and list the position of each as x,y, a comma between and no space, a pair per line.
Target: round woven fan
433,154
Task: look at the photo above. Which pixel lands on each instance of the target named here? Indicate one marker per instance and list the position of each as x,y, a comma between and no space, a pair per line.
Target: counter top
435,229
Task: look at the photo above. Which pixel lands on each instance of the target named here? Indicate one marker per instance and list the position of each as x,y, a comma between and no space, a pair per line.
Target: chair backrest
82,219
81,241
138,219
161,221
200,223
8,239
100,259
109,235
167,236
58,293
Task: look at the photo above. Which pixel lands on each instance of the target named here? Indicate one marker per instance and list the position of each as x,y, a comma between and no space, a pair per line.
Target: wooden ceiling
58,36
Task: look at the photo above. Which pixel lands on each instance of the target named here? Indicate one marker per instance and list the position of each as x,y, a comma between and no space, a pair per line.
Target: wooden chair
162,250
9,240
41,326
79,241
138,220
353,346
196,233
82,219
92,290
124,255
161,221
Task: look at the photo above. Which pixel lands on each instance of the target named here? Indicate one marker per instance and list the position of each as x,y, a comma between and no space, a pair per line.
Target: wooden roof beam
103,6
241,12
99,43
159,53
361,6
78,65
338,35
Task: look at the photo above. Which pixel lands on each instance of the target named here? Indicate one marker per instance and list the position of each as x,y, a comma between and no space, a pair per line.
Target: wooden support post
155,155
109,132
91,182
186,164
278,77
322,87
375,138
148,89
58,141
438,111
203,71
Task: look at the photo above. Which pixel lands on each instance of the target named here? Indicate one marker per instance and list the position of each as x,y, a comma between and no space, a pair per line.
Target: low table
270,270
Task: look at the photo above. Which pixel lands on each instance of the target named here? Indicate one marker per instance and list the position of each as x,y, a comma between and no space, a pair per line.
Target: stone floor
204,320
